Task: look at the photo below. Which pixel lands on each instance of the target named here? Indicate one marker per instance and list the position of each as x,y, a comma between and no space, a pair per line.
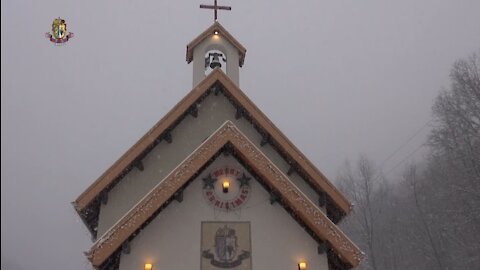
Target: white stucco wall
172,239
187,136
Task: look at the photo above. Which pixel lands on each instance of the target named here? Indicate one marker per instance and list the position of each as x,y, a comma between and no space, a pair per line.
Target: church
215,185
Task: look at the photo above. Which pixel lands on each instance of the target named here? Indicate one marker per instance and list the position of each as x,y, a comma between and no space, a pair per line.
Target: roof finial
216,7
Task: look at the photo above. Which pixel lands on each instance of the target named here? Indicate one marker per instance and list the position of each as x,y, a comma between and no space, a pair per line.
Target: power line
380,171
405,143
403,160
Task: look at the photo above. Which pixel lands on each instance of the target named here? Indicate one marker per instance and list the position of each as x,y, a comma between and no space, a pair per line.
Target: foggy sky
361,76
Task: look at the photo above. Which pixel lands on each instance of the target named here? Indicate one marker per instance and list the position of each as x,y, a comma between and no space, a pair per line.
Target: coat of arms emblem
59,32
225,244
228,247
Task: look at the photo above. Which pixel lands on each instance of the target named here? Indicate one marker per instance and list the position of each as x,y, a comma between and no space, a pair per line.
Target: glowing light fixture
225,186
216,32
302,266
148,266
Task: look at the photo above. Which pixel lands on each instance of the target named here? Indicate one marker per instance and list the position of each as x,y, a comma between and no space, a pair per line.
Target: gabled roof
221,31
316,178
244,149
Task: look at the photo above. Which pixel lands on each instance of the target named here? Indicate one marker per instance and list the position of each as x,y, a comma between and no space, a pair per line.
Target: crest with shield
59,32
225,244
59,28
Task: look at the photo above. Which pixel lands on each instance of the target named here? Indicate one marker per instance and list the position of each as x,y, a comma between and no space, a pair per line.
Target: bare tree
361,187
456,134
411,180
455,142
430,218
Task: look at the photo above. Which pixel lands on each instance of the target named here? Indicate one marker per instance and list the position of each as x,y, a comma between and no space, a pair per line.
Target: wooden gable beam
228,133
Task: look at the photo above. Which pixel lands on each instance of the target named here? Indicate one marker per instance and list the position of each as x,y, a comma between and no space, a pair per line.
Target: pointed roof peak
227,134
216,29
315,177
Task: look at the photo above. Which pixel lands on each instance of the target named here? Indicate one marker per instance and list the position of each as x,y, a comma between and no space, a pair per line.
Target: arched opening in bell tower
215,59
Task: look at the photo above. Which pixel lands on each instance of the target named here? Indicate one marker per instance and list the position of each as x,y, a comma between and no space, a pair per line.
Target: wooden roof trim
223,32
315,176
141,145
305,209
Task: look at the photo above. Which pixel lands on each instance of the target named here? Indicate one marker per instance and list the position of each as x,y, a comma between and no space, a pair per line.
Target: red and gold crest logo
59,34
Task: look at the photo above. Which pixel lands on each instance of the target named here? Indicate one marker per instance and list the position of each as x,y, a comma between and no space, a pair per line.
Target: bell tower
215,48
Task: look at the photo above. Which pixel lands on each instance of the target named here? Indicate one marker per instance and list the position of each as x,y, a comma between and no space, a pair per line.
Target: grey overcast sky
338,77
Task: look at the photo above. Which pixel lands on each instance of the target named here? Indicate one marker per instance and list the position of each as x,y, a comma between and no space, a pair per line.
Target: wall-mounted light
302,266
148,266
225,186
216,32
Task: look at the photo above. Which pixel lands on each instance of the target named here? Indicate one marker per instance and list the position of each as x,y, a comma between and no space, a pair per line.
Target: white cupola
215,48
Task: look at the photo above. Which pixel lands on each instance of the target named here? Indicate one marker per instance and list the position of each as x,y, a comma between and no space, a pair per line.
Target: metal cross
216,7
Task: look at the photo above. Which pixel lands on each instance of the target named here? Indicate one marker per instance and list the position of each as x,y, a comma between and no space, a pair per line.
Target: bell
215,61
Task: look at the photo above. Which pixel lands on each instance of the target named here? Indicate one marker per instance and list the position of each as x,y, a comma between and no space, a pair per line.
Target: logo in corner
59,34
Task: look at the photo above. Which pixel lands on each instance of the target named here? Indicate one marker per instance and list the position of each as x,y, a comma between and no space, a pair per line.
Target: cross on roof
216,7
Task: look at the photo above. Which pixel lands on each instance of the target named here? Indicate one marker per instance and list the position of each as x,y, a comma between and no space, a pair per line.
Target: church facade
215,185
